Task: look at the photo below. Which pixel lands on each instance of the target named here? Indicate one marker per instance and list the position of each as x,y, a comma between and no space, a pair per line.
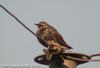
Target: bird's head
42,24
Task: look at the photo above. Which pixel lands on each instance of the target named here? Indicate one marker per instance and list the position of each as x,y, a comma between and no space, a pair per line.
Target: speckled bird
48,36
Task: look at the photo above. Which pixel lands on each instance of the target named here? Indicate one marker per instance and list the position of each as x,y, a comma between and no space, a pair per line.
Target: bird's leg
45,51
48,54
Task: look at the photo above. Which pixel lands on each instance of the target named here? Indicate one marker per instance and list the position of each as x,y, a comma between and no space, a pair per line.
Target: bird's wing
58,38
51,35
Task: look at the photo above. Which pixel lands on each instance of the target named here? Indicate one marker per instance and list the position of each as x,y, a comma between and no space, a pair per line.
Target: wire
80,59
17,19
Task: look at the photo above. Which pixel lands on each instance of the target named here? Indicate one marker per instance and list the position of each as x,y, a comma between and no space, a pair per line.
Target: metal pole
67,63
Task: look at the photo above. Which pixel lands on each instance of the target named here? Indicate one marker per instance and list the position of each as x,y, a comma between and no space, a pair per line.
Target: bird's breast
42,33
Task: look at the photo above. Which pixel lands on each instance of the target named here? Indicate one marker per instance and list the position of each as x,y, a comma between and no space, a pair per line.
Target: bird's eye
41,25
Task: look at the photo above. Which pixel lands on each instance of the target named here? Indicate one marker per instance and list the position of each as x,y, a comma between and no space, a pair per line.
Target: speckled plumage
49,36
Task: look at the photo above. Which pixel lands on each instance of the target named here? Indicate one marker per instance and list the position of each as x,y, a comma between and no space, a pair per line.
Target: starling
48,36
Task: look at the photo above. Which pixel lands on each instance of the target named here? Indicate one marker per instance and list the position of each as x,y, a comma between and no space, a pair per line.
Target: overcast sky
77,20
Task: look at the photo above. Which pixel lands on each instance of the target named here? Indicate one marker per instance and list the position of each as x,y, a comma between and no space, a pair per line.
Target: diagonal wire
85,60
17,20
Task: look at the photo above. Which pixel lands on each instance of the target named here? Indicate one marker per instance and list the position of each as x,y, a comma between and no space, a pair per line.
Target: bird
48,36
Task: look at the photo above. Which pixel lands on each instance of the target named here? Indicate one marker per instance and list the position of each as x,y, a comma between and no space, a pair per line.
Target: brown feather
50,33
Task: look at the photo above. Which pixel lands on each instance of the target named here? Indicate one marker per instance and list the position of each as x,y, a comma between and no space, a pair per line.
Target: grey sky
77,20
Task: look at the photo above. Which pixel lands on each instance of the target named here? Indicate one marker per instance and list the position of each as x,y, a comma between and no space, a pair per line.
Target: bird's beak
36,24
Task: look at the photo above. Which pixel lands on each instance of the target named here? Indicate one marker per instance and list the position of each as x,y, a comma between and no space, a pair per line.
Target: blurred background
77,20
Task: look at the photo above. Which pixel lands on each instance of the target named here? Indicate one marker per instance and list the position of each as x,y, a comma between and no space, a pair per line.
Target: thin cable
85,60
94,55
17,19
